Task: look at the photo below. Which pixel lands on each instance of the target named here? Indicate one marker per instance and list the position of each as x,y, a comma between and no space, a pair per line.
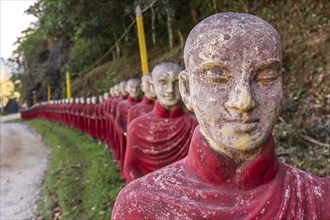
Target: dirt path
23,160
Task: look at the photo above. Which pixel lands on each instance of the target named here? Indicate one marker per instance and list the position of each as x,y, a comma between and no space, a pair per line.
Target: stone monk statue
160,137
133,89
112,117
233,83
148,101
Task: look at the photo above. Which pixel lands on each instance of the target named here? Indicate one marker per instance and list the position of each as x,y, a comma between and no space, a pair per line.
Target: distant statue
162,136
100,118
133,89
113,110
148,101
233,82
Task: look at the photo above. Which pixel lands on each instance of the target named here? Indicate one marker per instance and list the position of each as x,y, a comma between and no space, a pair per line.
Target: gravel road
23,160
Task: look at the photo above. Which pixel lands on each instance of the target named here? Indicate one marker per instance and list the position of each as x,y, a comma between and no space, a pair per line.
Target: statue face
106,96
116,90
82,100
233,80
88,100
165,84
122,87
133,88
101,98
93,100
76,100
147,88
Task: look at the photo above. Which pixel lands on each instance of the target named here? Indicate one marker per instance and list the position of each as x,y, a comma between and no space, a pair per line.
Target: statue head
101,98
123,88
165,84
116,90
147,88
94,99
133,88
233,80
88,100
106,96
76,100
111,91
82,100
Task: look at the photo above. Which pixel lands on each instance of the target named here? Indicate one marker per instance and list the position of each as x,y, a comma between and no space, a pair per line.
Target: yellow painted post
49,95
142,41
68,85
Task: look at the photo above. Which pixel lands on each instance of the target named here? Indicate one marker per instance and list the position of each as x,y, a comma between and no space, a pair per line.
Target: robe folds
107,114
121,126
139,109
98,114
209,185
113,138
157,139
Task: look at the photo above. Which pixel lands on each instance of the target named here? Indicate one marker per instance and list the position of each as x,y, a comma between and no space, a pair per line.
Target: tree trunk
194,15
170,28
215,6
117,50
181,38
126,36
153,28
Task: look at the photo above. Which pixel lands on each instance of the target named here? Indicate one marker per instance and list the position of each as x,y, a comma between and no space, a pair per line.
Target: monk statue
82,122
113,110
233,82
148,101
160,137
107,114
100,118
133,89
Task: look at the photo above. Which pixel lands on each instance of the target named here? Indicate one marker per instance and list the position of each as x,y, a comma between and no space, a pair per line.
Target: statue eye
216,74
267,76
162,82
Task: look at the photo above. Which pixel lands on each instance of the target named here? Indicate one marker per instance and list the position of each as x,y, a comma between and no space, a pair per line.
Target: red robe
114,139
107,114
139,109
121,126
209,185
157,139
98,112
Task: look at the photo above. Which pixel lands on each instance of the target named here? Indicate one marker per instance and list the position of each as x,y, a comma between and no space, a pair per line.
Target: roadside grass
4,113
82,180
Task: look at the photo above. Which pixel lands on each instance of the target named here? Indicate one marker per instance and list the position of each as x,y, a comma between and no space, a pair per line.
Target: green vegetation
82,180
3,113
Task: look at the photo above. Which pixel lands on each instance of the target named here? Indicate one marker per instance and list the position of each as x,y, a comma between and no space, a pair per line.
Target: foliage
82,180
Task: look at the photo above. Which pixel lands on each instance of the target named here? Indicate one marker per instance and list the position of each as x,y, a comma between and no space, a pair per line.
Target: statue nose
169,88
241,99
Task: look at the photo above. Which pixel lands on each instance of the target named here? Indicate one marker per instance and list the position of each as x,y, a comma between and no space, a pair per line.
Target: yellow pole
142,41
68,85
49,95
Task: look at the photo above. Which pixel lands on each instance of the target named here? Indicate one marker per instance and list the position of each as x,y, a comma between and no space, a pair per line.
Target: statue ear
185,90
151,87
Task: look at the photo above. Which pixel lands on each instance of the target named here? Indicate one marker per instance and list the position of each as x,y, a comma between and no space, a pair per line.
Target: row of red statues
225,167
144,135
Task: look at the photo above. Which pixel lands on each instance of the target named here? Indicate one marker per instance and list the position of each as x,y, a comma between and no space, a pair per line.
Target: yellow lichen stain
240,141
245,99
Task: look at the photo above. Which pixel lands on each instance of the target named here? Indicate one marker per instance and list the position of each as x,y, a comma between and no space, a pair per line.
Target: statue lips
245,125
169,97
